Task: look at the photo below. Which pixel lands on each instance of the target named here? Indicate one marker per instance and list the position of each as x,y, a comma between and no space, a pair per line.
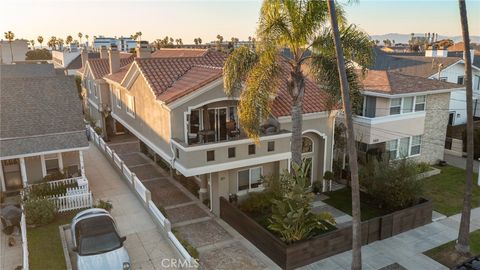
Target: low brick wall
327,244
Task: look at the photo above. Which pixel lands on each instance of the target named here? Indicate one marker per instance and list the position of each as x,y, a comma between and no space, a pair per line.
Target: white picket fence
23,228
70,202
68,181
144,194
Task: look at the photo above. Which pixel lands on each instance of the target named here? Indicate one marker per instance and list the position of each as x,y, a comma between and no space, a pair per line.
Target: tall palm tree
200,41
69,40
80,35
139,35
463,246
352,151
86,37
302,27
60,43
195,40
40,40
10,36
52,43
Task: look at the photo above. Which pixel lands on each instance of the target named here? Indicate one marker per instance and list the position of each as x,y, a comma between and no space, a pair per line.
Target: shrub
257,202
45,190
292,217
423,167
38,54
190,249
317,186
54,176
107,205
392,185
328,175
98,130
39,211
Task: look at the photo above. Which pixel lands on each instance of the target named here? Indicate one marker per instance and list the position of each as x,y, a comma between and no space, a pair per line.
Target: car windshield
97,244
97,235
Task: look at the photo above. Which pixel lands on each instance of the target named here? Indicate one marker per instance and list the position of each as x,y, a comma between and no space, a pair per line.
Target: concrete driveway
145,244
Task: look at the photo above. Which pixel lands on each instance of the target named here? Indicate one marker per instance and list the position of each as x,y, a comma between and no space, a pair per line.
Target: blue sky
206,19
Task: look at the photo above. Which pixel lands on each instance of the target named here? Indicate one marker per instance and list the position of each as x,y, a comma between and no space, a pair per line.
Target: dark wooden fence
325,245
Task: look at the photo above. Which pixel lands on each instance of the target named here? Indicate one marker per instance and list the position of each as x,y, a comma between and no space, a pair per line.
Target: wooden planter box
325,245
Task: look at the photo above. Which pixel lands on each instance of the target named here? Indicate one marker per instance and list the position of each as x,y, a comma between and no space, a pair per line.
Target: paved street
219,245
405,249
145,244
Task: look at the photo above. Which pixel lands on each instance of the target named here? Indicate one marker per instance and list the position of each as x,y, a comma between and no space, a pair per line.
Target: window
307,145
95,89
231,152
415,147
251,149
460,80
52,164
403,147
271,146
395,105
419,103
392,147
118,100
131,105
477,80
250,178
407,106
211,155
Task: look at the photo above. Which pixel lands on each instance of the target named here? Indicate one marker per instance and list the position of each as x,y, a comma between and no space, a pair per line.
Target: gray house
41,126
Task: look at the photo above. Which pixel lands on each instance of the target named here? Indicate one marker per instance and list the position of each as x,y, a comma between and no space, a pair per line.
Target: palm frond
238,64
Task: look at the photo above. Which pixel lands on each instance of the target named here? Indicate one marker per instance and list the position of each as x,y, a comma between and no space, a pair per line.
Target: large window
404,147
407,105
118,100
130,105
51,163
420,103
249,178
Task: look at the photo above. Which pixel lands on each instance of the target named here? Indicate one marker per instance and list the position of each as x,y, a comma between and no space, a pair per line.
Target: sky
207,18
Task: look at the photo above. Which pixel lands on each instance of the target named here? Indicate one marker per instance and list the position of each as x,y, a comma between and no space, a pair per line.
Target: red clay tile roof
389,82
168,52
100,66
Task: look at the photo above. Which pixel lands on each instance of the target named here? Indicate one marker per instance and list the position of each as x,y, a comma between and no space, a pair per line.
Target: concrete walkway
406,249
10,257
146,246
219,245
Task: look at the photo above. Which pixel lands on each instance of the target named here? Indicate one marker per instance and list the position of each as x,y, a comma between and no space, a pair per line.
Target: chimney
114,59
84,56
143,49
103,52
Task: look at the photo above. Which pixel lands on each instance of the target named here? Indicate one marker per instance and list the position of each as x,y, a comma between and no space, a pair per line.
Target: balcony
233,152
387,128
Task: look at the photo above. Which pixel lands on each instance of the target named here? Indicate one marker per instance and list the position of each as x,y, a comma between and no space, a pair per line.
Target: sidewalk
405,249
146,246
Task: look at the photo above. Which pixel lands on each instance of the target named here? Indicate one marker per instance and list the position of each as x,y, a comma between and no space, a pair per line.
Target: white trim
93,104
306,116
82,166
45,153
23,172
142,138
44,168
325,138
60,161
231,165
429,92
174,104
228,143
2,179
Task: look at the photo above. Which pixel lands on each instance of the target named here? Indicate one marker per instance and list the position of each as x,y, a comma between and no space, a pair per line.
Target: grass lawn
342,200
445,255
45,246
446,190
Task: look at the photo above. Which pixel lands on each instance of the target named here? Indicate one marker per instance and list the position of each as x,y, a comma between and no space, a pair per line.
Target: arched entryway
313,151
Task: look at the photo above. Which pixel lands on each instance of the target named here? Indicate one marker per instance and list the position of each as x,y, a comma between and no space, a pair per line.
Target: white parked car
96,242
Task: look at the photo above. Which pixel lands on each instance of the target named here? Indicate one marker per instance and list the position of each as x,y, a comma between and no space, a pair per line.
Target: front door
12,174
119,128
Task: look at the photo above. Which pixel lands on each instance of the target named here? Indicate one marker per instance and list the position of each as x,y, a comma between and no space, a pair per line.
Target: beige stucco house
41,126
174,102
403,116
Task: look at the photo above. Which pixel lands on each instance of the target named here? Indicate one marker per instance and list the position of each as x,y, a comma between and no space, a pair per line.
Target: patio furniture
204,134
232,130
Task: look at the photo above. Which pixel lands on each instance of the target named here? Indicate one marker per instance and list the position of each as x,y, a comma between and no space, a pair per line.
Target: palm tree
463,246
52,43
86,37
200,41
10,36
69,40
40,40
195,40
289,24
352,151
139,35
80,35
60,43
32,43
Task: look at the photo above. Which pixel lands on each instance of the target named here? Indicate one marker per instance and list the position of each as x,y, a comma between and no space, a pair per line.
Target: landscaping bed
445,190
45,245
446,255
342,200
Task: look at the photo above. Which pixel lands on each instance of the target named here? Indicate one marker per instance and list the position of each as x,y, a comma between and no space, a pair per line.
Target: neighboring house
70,60
403,116
41,126
95,89
19,50
176,106
439,66
124,44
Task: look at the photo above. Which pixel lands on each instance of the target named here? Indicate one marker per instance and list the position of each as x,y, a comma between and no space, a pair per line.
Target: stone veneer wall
436,120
